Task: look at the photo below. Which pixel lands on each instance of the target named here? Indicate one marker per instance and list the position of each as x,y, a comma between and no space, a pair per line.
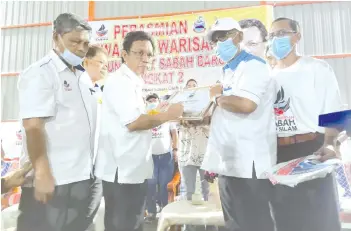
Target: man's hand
17,177
175,111
216,90
327,152
44,186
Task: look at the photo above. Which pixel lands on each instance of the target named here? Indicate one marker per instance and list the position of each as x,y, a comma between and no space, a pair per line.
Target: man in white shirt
255,33
164,146
242,139
57,116
307,87
124,159
95,64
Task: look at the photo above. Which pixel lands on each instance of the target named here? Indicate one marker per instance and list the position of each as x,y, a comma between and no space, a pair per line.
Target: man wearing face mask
307,88
164,151
124,158
56,112
242,140
255,34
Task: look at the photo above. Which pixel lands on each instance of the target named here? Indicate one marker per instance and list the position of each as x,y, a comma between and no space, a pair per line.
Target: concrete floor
153,227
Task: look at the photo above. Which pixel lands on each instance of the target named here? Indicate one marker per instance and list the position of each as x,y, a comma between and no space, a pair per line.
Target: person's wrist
215,98
174,149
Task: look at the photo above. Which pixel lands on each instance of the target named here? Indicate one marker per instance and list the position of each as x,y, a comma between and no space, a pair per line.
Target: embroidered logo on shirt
66,86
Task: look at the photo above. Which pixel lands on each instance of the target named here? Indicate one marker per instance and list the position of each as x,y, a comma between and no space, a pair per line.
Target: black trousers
245,203
310,206
67,210
124,205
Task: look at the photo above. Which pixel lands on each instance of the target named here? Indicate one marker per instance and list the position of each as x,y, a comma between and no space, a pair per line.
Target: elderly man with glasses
242,139
255,37
307,88
124,157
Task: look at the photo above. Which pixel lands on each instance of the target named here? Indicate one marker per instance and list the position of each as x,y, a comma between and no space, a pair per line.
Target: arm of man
37,102
328,95
174,137
146,122
121,95
253,85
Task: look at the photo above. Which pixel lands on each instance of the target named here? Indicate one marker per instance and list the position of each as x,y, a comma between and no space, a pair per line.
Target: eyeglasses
253,44
280,33
141,54
223,35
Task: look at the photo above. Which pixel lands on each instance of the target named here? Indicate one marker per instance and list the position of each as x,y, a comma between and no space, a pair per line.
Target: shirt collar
136,79
243,56
60,64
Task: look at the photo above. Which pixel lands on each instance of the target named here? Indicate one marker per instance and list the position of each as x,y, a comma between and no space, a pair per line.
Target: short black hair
190,80
133,36
294,25
152,96
94,50
166,97
252,22
67,22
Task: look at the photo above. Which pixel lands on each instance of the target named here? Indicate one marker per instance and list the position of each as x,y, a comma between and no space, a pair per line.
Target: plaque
196,102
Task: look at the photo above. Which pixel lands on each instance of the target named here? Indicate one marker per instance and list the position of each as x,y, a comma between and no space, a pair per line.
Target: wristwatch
175,149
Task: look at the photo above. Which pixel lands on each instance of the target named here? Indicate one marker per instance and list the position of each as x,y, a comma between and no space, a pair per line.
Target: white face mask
69,57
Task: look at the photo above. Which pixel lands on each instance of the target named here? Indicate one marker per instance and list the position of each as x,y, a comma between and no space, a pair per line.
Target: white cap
223,24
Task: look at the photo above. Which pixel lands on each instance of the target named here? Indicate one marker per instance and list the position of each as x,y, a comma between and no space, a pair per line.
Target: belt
300,138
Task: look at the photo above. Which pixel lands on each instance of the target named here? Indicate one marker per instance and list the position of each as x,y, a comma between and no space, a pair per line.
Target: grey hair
294,25
252,22
67,22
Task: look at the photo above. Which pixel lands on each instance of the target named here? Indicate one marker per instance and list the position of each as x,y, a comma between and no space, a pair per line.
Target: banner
182,51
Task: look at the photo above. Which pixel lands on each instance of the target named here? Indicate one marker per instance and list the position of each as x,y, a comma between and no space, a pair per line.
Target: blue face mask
69,57
151,106
280,47
226,50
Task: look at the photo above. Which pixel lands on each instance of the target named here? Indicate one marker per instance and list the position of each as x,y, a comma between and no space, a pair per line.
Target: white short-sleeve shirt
305,90
129,152
161,138
236,140
49,89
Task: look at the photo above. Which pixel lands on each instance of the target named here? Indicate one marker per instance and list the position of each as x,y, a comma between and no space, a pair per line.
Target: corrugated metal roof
105,9
9,98
26,12
326,27
23,46
342,69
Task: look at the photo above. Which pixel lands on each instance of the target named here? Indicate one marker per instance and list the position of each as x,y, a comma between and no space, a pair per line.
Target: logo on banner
199,25
101,33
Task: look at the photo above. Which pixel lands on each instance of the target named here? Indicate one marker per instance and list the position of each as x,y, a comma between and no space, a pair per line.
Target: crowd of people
86,141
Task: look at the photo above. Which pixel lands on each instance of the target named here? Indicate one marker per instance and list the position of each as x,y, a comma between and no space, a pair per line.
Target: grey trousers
124,205
245,204
188,181
96,195
67,210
